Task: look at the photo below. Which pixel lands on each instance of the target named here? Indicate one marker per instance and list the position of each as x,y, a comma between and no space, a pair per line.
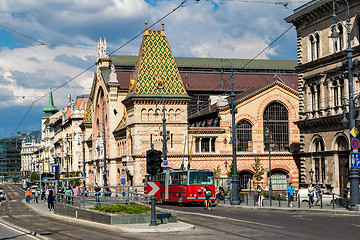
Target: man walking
28,195
290,191
319,192
97,194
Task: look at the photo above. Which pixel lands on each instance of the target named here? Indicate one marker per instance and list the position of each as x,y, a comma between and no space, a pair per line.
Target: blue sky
71,28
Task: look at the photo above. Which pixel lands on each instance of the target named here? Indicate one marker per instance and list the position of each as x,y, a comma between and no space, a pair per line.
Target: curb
322,211
143,228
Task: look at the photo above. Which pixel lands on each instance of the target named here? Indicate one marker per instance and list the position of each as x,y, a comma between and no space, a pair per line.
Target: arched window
276,127
320,170
244,136
144,115
177,115
341,37
279,180
246,180
342,144
312,48
357,31
317,45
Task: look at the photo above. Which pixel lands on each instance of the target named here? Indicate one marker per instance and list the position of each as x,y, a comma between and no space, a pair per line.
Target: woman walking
50,199
260,195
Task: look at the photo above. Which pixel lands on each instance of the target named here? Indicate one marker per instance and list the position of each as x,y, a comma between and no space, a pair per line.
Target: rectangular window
171,140
336,98
317,170
322,170
213,140
205,145
197,144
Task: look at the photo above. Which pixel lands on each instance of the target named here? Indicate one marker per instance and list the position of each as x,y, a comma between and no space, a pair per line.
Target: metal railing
88,197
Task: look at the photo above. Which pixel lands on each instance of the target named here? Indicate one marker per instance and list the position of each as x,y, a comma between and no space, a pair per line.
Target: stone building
323,89
130,94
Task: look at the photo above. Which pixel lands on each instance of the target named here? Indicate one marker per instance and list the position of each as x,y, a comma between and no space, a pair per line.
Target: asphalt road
7,232
220,223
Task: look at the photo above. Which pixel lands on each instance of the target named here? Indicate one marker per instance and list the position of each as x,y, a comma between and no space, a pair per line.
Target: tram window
203,178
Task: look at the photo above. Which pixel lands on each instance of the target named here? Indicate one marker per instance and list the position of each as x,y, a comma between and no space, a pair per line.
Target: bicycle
208,205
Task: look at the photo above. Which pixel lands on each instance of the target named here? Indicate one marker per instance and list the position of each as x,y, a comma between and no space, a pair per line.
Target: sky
46,43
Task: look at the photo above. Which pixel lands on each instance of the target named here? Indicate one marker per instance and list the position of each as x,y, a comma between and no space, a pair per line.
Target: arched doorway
246,180
342,145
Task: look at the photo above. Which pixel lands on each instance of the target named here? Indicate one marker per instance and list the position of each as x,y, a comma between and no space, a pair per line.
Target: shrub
130,209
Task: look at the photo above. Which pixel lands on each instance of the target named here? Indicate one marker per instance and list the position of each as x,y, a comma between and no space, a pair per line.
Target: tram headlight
199,191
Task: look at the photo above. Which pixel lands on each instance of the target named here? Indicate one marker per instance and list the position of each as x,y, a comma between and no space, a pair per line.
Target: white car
327,198
2,195
34,188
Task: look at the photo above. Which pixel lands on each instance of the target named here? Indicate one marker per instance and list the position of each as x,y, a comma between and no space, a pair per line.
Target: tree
217,171
229,173
259,169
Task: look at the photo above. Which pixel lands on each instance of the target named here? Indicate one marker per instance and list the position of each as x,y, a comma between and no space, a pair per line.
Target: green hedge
130,209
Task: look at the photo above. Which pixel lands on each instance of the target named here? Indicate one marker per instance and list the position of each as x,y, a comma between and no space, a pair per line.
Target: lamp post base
235,190
354,189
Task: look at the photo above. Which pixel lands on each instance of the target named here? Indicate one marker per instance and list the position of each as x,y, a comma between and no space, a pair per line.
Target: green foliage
34,176
130,209
259,169
229,173
76,182
217,171
274,196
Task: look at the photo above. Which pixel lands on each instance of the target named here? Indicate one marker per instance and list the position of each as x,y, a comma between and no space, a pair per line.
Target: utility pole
104,140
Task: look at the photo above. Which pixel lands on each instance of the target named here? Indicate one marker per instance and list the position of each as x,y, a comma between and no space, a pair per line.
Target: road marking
355,225
16,230
228,218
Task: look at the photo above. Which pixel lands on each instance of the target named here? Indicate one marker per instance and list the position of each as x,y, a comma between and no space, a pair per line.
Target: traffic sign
123,174
152,188
354,132
123,194
53,168
123,181
105,172
355,143
165,163
355,159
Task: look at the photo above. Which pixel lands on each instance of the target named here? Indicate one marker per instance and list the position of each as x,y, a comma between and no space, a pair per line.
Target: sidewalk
304,207
41,208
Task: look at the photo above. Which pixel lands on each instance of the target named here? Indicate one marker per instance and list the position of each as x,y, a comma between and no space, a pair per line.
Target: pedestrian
50,199
290,191
68,193
107,192
311,195
260,196
319,193
75,190
28,195
37,194
97,194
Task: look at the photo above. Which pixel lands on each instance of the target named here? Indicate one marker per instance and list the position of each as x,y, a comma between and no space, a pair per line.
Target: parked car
327,198
2,195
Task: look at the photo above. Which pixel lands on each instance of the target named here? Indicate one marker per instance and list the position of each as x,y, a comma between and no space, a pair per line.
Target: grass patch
121,208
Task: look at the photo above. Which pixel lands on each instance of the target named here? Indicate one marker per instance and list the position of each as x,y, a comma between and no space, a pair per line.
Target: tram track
14,212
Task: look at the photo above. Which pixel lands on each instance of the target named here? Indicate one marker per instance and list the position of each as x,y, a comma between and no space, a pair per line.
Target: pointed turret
155,71
50,109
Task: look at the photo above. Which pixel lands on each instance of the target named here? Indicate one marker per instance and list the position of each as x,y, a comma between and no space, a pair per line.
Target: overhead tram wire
94,64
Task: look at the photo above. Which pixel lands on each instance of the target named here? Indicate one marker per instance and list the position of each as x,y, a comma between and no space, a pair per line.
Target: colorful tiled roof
155,71
88,112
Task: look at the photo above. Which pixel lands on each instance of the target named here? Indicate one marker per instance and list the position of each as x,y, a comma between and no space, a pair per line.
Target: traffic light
57,172
150,161
153,161
158,161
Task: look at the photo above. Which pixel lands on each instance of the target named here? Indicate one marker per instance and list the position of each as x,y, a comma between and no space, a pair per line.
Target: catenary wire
82,72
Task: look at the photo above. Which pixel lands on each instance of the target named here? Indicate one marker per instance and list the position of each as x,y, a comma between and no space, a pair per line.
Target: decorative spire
50,109
162,23
145,25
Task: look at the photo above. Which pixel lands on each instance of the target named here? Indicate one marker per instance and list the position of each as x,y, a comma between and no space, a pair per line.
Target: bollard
279,200
321,205
299,200
270,196
333,201
153,211
254,200
247,199
288,200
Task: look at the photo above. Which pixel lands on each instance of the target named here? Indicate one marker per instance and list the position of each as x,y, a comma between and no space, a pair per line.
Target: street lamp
311,172
269,142
354,172
83,153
